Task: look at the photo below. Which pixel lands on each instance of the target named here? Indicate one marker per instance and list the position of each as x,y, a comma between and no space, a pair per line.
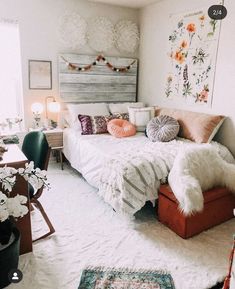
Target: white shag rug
89,232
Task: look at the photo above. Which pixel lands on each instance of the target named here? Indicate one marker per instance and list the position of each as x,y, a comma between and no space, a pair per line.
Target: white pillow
141,116
91,109
123,107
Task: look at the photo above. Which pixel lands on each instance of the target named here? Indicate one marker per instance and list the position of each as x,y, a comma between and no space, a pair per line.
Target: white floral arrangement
15,206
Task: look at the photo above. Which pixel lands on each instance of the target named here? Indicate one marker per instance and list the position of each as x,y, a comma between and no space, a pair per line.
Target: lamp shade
54,106
37,108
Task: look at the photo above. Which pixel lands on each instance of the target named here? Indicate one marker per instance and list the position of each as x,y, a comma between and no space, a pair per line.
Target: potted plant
12,208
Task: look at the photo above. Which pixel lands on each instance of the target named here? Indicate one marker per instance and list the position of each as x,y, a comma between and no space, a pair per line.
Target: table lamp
53,107
37,109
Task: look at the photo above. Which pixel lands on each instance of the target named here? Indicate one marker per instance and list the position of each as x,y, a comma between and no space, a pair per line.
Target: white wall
39,22
154,28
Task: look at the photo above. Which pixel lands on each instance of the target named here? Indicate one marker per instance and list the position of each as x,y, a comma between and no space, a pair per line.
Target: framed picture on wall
40,74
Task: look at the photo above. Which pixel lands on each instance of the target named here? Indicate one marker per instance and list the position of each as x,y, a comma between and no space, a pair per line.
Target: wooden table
15,158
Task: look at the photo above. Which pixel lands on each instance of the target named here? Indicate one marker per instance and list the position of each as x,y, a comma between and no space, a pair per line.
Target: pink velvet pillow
121,128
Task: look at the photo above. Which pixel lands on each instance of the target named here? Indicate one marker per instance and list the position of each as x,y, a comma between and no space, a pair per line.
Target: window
11,105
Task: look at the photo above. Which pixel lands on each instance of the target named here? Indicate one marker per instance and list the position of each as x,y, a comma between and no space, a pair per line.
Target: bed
88,153
126,171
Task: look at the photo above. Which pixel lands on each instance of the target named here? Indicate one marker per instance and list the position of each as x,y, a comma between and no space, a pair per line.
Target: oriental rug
111,278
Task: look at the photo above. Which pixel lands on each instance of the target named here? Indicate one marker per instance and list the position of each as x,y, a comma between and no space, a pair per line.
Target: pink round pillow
121,128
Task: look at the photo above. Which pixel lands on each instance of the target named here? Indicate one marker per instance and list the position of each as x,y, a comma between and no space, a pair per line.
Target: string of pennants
95,62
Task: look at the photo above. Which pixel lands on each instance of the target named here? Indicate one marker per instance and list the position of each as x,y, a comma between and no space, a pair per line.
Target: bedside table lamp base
37,109
37,120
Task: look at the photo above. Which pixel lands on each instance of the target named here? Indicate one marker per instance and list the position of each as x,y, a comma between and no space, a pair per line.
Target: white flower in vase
15,207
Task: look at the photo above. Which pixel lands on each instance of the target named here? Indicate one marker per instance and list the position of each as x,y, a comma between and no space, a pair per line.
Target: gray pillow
162,128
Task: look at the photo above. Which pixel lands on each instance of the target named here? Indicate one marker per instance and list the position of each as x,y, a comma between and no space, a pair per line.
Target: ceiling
127,3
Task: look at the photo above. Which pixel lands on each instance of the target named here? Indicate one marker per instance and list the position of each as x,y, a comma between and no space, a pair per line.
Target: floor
90,233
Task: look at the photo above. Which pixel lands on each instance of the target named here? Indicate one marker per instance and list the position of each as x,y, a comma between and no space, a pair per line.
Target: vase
9,257
6,228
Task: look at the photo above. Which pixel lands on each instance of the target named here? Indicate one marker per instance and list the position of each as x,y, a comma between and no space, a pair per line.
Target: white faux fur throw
197,169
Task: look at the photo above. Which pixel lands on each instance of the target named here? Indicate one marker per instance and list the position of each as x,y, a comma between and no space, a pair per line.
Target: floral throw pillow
118,115
93,124
98,124
121,115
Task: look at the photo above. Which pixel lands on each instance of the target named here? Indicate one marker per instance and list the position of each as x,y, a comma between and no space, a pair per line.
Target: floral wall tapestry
191,57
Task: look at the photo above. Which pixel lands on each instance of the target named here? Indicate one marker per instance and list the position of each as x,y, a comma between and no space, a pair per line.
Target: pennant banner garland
97,60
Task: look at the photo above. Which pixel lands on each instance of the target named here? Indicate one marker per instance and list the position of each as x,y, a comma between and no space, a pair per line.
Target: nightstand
55,141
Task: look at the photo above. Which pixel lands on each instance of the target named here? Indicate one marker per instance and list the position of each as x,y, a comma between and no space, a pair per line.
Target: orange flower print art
191,57
191,27
203,95
202,19
183,44
179,57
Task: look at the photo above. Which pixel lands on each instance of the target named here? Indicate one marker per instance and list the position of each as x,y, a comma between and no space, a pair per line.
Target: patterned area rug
107,278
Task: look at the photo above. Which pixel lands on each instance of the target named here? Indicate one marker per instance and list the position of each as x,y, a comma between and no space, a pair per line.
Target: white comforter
126,171
130,179
88,153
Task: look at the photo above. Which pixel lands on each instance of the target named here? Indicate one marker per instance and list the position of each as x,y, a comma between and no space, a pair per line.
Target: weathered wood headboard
98,84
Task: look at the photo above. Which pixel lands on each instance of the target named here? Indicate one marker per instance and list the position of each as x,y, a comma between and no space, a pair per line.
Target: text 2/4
217,12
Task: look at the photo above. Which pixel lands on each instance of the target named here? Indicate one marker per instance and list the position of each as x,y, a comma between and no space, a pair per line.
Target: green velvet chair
36,149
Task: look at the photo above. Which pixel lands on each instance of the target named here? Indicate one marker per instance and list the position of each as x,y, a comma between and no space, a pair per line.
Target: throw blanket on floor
130,179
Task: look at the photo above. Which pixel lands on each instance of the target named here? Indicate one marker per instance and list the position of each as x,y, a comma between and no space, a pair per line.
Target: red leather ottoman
218,208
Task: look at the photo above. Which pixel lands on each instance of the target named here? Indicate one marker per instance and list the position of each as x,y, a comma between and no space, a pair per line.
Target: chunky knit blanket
130,179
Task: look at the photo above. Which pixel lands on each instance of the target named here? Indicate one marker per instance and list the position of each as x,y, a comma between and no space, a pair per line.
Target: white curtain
11,100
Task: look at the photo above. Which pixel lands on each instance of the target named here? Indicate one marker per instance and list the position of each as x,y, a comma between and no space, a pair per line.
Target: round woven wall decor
100,34
72,31
126,36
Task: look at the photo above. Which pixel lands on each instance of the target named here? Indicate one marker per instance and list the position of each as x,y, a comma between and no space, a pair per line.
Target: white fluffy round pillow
162,128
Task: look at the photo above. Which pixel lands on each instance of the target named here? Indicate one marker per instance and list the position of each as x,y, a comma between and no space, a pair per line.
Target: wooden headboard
98,84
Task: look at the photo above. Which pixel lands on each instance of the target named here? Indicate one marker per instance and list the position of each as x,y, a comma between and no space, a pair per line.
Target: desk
16,159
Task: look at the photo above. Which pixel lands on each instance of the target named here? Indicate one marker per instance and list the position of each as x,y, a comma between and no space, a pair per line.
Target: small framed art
40,74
